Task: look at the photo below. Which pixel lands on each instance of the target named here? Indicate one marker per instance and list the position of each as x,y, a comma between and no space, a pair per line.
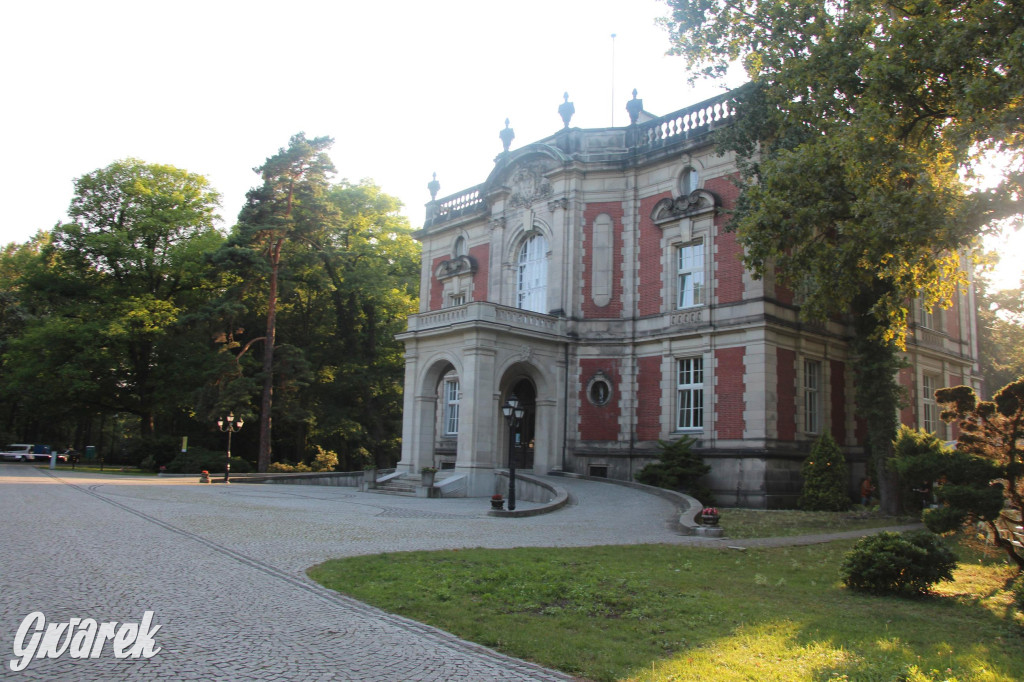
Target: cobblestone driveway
222,568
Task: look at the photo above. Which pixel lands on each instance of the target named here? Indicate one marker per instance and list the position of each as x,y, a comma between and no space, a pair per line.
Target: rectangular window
929,318
690,393
690,275
456,299
812,396
930,410
451,407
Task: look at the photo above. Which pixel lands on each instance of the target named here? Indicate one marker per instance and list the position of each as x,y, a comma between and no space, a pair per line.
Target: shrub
197,459
325,460
826,478
1017,590
288,468
891,563
678,468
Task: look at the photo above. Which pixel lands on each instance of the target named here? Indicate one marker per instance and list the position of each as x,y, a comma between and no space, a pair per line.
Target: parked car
18,452
28,452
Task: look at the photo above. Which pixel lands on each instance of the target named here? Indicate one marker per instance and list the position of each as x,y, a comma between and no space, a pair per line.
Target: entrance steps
404,485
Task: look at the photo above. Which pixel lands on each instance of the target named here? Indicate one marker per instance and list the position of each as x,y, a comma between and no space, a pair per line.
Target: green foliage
678,468
891,563
826,478
325,460
1000,333
984,478
289,468
855,138
200,459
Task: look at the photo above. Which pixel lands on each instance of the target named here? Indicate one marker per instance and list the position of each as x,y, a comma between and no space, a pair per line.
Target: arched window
459,248
689,181
532,275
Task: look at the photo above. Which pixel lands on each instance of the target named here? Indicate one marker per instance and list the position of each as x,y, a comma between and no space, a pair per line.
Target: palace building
591,276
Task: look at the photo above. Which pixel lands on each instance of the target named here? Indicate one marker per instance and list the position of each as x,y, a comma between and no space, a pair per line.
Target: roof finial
507,135
566,110
433,186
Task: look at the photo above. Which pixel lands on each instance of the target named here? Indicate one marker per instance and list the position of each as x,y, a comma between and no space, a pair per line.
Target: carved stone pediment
695,203
456,266
529,185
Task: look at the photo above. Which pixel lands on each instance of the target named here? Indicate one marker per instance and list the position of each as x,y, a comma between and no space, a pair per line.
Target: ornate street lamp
513,412
229,426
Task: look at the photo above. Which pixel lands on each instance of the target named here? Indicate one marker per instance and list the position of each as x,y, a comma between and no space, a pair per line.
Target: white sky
406,88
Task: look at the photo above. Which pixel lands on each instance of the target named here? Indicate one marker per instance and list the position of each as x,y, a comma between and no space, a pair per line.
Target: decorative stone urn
709,516
497,502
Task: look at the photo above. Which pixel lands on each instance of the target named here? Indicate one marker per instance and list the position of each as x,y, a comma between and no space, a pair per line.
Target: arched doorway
523,437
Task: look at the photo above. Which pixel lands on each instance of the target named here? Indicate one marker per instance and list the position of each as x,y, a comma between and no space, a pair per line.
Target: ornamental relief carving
695,203
455,266
528,185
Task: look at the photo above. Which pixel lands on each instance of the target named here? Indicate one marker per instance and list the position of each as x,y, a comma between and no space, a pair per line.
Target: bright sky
406,88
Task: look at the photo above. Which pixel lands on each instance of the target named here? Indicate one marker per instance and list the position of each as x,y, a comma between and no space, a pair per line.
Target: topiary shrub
891,563
826,478
287,468
678,468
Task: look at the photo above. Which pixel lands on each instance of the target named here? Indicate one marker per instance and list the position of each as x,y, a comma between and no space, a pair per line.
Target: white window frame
690,393
532,274
812,396
457,299
930,420
691,290
452,396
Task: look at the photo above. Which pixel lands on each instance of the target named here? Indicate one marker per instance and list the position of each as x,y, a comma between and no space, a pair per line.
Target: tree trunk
266,404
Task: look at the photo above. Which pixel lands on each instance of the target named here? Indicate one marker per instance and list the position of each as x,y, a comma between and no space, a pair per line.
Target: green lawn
659,612
759,523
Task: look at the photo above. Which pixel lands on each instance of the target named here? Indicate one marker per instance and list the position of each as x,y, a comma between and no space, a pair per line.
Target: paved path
223,570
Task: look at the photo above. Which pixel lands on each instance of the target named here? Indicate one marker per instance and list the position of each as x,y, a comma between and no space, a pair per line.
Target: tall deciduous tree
290,205
854,136
109,288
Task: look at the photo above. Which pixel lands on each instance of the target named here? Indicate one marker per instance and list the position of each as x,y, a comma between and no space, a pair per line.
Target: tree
107,292
290,205
989,481
826,478
1000,334
678,468
851,137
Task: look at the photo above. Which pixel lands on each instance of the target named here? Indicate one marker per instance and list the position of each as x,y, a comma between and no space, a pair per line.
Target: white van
18,452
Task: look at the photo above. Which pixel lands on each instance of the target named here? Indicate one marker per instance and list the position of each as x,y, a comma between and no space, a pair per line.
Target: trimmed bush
678,469
826,478
200,459
891,563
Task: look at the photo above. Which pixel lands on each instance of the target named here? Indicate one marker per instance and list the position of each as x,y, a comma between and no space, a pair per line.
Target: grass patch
658,612
758,523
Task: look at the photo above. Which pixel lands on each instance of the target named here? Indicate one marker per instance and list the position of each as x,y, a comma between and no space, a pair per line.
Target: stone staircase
405,485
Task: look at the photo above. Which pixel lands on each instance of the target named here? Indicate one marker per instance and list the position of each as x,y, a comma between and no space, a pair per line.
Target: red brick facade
436,288
599,422
785,391
907,414
648,408
614,308
729,401
652,275
482,255
728,269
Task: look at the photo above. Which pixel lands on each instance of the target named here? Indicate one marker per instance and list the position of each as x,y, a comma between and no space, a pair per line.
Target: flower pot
427,478
497,504
709,519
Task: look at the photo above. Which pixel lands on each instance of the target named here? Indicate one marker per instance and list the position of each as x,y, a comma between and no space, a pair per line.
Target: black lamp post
513,412
229,426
